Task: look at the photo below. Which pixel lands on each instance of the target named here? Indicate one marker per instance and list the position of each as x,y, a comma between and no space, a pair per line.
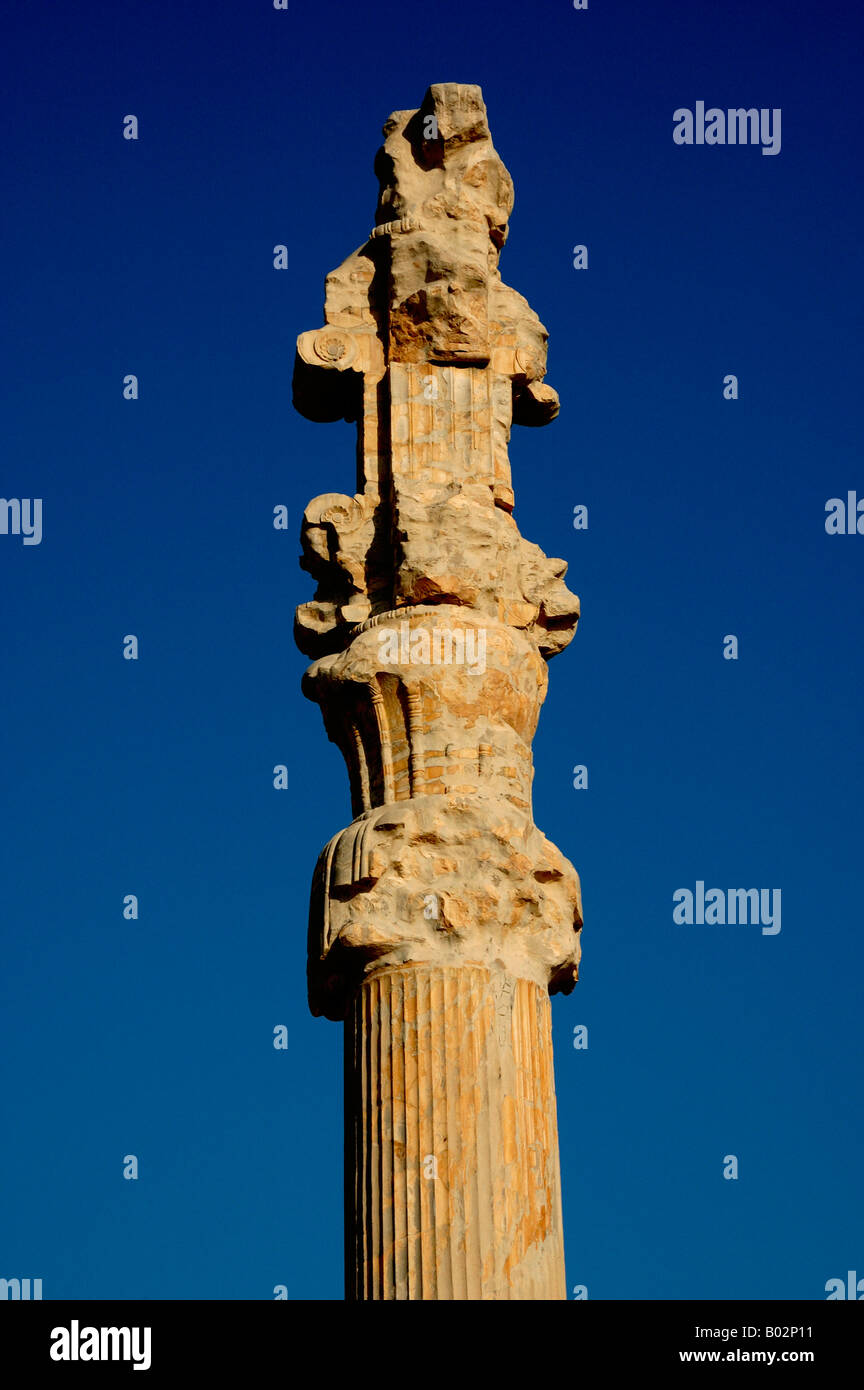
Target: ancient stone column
441,918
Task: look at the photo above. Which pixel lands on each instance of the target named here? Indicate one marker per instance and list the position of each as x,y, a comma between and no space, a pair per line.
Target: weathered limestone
451,1149
441,917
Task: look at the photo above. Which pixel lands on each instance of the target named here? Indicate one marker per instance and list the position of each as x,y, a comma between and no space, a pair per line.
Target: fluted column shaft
451,1155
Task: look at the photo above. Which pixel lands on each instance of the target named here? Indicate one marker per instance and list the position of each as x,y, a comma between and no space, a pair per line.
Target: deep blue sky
706,517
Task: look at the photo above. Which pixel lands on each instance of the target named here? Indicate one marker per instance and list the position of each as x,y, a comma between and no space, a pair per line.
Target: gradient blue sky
706,517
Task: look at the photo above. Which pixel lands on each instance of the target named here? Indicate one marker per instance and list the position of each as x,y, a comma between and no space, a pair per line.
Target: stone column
441,917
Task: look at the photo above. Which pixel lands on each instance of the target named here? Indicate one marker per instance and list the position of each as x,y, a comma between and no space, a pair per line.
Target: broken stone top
435,358
439,163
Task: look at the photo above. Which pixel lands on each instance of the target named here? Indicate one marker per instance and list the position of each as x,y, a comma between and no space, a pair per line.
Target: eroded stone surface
447,879
434,357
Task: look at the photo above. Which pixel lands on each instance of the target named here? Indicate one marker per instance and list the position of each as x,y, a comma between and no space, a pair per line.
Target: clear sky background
706,518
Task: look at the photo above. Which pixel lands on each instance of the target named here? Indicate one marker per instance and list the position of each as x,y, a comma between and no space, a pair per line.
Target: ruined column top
433,617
